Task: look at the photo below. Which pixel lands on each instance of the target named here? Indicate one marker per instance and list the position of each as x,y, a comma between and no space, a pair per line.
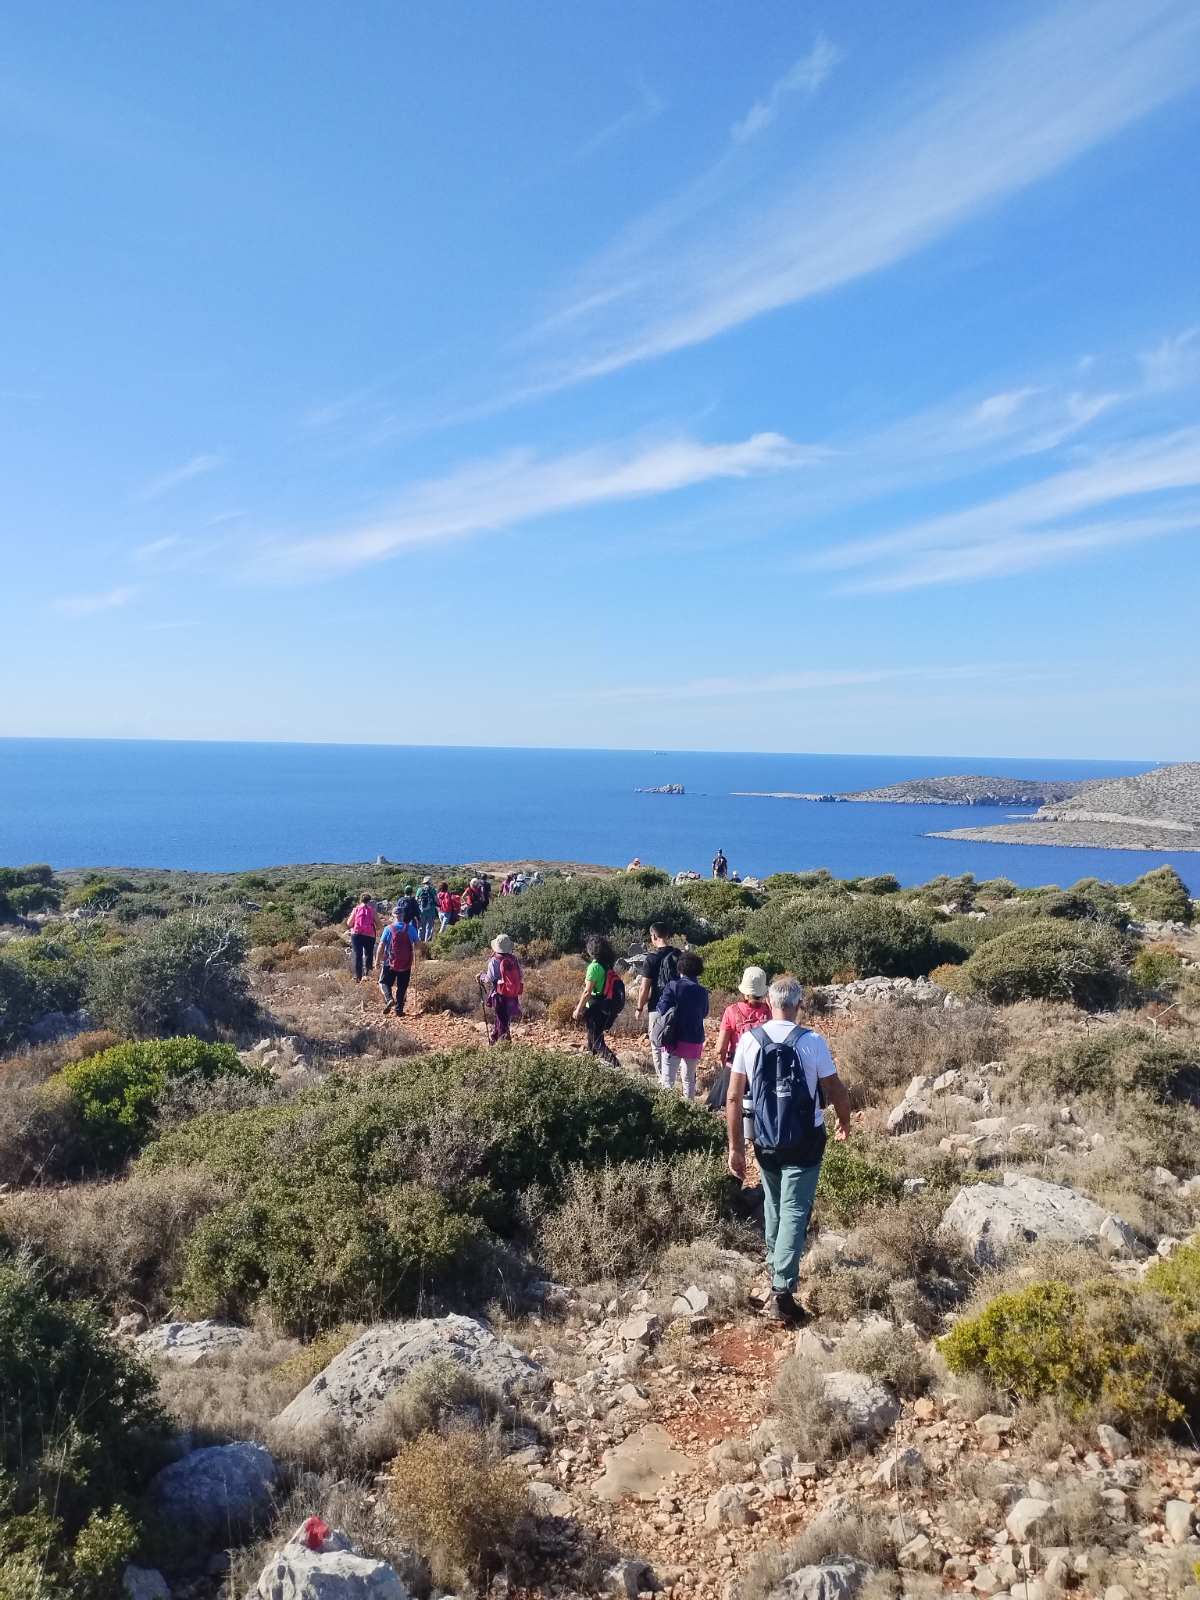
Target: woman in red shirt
750,1011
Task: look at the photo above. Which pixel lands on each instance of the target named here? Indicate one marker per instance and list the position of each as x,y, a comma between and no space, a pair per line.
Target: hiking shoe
388,1006
784,1308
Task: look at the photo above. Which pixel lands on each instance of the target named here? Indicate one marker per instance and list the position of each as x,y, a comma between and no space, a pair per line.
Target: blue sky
806,377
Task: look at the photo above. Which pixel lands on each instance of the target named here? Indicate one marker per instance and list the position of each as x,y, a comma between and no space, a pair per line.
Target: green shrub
563,911
329,900
882,883
37,975
328,1222
1117,1061
1050,960
820,939
789,883
81,1436
1161,895
30,897
117,1091
97,894
849,1184
459,1503
716,899
1103,1345
726,959
1177,1279
16,877
1157,968
649,877
277,924
190,959
997,888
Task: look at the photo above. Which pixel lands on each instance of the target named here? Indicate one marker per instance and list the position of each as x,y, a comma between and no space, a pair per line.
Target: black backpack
668,968
614,996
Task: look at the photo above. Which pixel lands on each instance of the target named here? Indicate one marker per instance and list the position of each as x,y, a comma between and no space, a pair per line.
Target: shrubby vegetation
823,939
37,975
80,1438
357,1198
149,985
563,911
1050,960
1160,895
1114,1062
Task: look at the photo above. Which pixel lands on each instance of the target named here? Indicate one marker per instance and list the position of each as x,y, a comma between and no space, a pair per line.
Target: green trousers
788,1194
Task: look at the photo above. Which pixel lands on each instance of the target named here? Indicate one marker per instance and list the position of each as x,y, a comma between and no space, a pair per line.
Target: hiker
472,899
363,925
427,910
659,967
750,1011
680,1013
408,911
504,984
720,865
603,997
448,904
789,1074
485,889
395,962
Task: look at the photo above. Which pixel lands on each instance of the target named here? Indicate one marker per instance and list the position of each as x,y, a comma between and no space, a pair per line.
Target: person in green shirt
595,1010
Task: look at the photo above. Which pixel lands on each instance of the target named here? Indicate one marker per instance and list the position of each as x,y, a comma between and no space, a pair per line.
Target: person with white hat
750,1010
503,984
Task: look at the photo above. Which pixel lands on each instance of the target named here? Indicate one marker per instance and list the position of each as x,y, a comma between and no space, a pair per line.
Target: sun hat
475,883
426,880
754,983
502,945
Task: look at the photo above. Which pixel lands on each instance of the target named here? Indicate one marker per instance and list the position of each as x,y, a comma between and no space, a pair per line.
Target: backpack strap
797,1034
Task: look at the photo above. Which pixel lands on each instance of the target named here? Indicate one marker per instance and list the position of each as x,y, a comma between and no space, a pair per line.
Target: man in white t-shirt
789,1075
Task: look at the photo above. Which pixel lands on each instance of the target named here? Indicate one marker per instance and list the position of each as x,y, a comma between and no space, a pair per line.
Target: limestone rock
990,1217
327,1569
1115,1443
1177,1518
1025,1517
838,1579
869,1405
213,1493
643,1328
902,1467
727,1508
918,1553
640,1464
551,1502
144,1583
357,1382
627,1579
189,1344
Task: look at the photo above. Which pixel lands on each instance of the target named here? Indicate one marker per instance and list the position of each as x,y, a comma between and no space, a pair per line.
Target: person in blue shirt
682,1046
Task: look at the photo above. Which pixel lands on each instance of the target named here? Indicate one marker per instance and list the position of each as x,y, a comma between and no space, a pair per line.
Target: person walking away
406,905
472,899
750,1010
789,1074
363,925
659,967
427,910
720,865
447,907
485,890
680,1013
504,983
603,997
395,961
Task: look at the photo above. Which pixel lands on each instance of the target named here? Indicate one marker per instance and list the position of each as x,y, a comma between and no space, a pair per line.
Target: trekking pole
483,1000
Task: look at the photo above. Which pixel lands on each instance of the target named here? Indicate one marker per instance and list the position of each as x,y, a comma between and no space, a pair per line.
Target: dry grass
42,1061
41,1135
459,1502
890,1045
234,1396
121,1243
811,1426
898,1358
862,1536
451,986
839,1291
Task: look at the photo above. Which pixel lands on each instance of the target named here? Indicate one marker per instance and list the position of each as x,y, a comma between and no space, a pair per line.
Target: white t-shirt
812,1050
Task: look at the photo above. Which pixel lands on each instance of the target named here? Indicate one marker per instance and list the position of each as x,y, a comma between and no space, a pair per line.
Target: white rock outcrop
989,1218
358,1381
190,1344
869,1406
212,1495
311,1567
839,1579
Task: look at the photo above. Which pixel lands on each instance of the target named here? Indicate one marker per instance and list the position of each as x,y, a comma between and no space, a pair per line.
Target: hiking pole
483,1001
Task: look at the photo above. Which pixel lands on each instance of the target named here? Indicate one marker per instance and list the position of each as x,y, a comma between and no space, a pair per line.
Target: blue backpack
784,1106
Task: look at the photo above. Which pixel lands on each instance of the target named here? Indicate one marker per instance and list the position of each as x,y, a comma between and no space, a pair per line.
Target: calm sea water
77,802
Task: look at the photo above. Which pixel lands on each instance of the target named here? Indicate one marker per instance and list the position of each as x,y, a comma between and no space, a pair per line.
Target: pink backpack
364,920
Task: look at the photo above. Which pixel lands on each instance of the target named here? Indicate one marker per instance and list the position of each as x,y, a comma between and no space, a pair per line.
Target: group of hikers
774,1075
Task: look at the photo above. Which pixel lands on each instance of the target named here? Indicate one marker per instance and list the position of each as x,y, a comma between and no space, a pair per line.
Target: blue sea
80,802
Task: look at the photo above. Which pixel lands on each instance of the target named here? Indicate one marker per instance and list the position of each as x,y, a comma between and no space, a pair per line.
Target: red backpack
511,984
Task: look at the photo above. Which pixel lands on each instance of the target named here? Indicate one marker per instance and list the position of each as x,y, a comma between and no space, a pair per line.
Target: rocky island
951,791
663,788
1157,810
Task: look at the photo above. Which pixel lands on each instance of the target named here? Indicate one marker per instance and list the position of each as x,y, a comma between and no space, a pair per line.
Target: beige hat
502,945
426,880
754,983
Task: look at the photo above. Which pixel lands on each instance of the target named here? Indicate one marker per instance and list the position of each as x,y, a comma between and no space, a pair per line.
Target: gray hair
786,993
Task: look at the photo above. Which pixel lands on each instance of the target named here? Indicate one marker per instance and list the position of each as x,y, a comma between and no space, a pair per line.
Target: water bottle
747,1119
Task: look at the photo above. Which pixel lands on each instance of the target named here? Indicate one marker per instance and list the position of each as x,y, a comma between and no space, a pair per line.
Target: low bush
811,1425
1161,896
849,1184
30,897
38,975
276,925
121,1244
40,1133
16,877
562,912
363,1195
822,939
649,877
116,1092
890,1045
726,959
882,883
1105,1347
1050,960
80,1438
616,1220
897,1357
1112,1062
459,1502
191,959
1158,969
716,898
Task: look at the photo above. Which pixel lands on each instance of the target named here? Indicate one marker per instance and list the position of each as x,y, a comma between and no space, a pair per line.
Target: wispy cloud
154,548
195,468
520,487
1174,361
804,77
1123,494
88,605
728,249
650,105
823,679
